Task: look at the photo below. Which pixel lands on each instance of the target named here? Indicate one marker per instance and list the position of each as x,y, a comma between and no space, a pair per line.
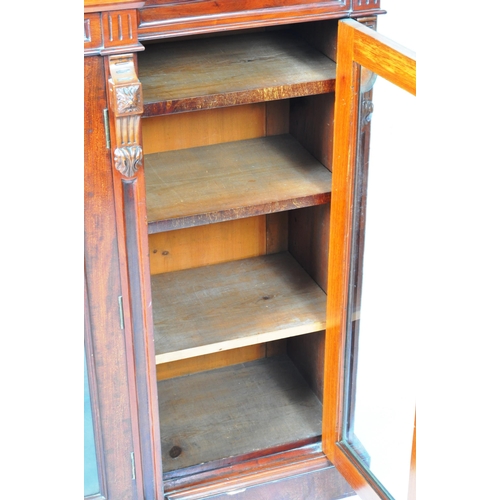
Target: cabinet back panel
206,245
214,126
216,360
212,361
277,117
203,128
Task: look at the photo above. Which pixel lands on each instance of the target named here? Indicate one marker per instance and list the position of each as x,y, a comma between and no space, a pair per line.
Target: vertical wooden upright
358,46
107,343
117,265
125,100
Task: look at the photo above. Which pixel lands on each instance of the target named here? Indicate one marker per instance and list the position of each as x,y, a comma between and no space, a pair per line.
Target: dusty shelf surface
234,304
235,410
188,75
207,184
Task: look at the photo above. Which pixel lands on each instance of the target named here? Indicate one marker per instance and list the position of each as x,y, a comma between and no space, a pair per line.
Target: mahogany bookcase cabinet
208,160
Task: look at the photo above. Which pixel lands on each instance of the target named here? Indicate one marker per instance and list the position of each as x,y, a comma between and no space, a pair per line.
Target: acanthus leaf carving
125,96
128,159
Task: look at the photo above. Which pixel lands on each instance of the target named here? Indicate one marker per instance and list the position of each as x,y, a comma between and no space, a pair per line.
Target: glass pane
91,479
381,384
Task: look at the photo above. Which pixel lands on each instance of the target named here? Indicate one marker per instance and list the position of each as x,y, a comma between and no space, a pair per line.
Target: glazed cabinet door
369,419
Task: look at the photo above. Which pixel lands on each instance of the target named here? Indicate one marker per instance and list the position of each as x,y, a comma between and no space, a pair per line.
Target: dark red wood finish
116,260
107,344
305,466
131,224
161,19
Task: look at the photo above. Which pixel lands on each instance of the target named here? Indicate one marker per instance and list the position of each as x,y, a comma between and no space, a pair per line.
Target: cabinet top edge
151,20
107,5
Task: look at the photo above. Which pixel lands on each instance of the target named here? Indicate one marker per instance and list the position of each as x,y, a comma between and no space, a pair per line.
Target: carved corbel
125,96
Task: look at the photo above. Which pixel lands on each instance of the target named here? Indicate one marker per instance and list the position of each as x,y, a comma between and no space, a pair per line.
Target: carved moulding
126,105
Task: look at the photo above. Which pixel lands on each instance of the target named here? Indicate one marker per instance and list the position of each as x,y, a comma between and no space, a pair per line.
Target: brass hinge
120,307
106,128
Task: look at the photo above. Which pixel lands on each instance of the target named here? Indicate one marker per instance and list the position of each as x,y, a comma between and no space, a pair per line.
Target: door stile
358,46
341,231
126,106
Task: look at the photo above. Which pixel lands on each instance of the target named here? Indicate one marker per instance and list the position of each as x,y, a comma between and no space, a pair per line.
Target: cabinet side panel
308,240
103,280
277,232
322,35
308,352
308,243
311,122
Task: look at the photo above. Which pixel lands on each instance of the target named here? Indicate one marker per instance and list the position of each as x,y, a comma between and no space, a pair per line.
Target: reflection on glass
91,479
381,404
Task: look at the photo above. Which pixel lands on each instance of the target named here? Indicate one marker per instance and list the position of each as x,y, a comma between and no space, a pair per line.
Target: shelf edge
240,342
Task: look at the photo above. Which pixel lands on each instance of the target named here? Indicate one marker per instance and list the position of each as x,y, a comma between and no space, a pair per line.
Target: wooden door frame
358,46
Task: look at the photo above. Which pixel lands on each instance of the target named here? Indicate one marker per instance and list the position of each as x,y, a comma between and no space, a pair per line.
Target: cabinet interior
237,135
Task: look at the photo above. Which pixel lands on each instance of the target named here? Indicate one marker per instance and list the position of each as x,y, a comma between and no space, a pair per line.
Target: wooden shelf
197,186
215,72
235,304
235,410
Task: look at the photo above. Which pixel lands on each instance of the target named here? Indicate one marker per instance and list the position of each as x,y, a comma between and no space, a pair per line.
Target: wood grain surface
203,128
224,306
231,181
207,245
189,75
235,410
